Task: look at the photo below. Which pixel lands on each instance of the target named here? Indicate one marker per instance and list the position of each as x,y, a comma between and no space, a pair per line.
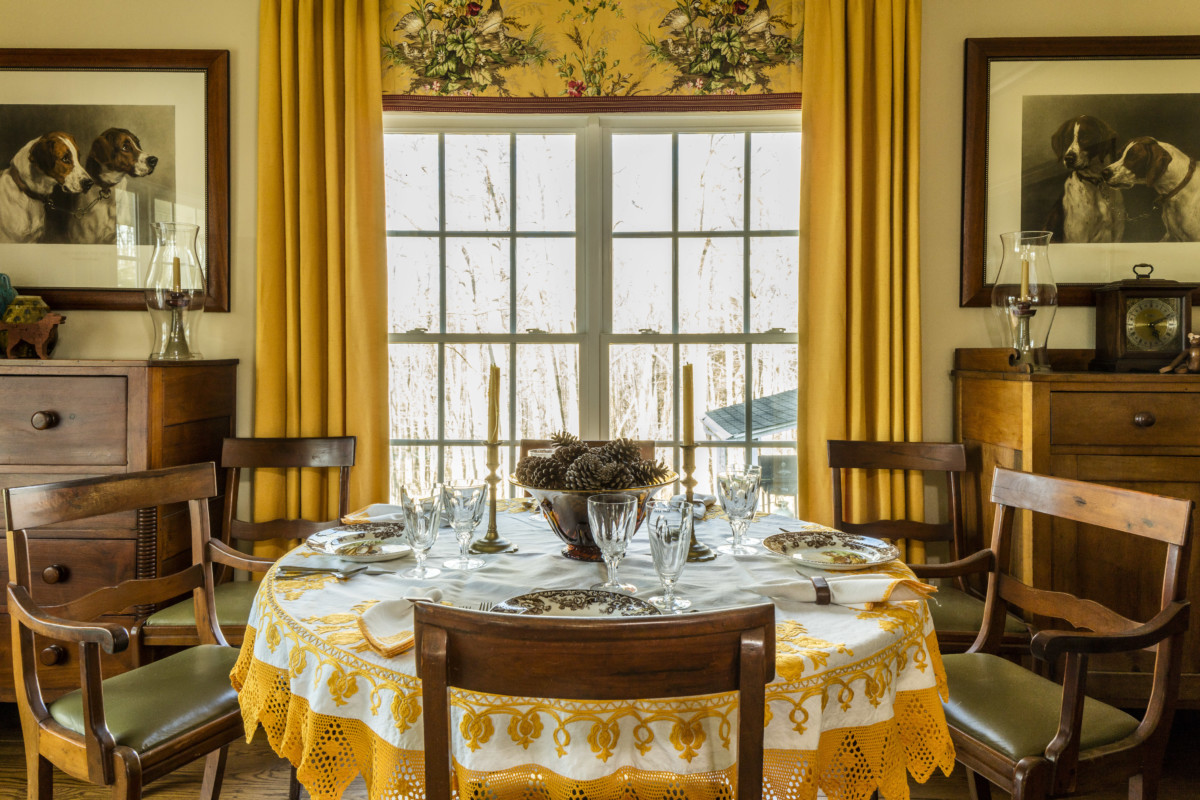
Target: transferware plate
826,548
576,603
366,541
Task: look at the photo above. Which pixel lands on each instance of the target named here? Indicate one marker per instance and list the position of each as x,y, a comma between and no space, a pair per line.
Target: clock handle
1144,419
1149,269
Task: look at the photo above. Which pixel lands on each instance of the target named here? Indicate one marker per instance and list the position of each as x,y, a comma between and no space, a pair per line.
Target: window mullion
442,305
749,351
596,307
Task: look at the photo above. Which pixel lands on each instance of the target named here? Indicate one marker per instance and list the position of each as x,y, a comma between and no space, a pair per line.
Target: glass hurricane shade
175,291
1025,296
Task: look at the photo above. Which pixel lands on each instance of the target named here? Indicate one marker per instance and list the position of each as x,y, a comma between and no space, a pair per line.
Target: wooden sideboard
63,419
1139,431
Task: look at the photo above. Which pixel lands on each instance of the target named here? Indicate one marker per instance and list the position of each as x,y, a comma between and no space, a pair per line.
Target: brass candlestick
697,551
491,541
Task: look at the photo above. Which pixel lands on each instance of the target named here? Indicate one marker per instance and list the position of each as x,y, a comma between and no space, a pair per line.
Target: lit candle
1024,279
175,282
494,404
689,430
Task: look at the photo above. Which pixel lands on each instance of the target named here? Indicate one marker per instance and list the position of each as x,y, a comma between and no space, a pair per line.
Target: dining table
855,707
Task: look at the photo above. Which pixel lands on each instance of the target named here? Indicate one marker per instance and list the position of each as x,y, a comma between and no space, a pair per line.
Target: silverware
341,573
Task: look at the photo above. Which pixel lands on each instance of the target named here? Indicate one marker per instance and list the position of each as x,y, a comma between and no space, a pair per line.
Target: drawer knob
55,573
54,654
43,420
1144,419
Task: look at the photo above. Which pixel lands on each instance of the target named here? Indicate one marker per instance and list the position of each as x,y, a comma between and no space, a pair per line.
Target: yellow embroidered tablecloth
856,704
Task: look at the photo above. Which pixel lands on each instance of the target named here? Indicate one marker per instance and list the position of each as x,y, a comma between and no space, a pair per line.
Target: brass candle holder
697,551
491,541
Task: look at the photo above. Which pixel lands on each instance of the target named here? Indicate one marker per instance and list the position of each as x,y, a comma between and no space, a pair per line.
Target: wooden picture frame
180,100
1018,92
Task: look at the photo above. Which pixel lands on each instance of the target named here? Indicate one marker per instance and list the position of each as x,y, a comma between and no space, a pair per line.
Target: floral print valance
649,53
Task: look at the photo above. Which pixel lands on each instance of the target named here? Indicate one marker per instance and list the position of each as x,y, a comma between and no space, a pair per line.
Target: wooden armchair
132,728
1029,735
957,608
175,625
558,657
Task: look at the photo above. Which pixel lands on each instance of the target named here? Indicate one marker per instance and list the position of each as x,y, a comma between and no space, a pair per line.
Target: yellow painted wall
150,24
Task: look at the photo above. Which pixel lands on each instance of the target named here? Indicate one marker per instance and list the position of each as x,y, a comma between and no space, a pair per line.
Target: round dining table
856,704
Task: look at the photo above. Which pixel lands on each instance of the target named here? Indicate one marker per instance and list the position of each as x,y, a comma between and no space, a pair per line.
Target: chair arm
110,636
980,561
224,554
1049,645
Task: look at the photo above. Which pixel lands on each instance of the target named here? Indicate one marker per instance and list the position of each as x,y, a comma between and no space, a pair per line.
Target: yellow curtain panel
577,49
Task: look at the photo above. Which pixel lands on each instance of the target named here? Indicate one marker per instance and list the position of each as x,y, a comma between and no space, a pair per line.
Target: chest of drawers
63,419
1138,431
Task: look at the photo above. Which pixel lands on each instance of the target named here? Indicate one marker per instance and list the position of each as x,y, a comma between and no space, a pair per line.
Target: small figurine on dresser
28,328
1189,359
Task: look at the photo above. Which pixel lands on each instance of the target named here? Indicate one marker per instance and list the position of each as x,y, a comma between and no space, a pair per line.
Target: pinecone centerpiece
563,481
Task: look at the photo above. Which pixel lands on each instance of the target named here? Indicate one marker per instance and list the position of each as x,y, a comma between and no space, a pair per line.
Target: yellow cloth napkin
852,589
387,626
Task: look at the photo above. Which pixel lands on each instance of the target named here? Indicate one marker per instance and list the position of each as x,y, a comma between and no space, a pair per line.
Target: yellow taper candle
175,282
689,428
1024,279
494,404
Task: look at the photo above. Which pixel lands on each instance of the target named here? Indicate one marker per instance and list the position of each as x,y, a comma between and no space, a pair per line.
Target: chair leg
1144,786
214,773
127,775
39,777
293,785
980,788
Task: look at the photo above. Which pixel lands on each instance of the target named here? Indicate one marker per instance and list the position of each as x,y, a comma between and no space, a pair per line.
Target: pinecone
622,451
616,476
566,454
586,472
648,473
563,437
540,473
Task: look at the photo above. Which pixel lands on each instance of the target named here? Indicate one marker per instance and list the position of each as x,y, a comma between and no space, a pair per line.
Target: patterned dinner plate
826,548
366,541
575,603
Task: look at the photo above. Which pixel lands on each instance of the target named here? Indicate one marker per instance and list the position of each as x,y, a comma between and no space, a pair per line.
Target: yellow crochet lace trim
330,751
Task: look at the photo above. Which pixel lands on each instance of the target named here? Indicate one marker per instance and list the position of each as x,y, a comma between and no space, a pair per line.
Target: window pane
467,367
640,400
776,376
780,480
410,169
412,464
546,285
641,290
477,286
711,180
710,286
413,396
546,183
547,389
774,283
719,389
470,464
412,284
477,189
774,181
641,182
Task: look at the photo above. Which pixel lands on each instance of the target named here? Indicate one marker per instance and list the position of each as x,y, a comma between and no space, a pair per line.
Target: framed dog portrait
96,146
1093,139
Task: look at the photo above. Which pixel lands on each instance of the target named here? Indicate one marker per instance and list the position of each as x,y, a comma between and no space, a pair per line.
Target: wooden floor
255,773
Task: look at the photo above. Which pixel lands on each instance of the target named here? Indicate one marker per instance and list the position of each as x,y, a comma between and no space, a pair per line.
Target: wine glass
748,540
422,517
669,525
612,519
739,497
464,504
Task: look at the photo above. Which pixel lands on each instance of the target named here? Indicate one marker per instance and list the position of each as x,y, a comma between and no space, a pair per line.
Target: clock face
1152,323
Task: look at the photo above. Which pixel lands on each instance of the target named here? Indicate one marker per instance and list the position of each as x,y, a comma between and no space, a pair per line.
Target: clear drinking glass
464,504
748,540
612,518
669,525
739,497
422,517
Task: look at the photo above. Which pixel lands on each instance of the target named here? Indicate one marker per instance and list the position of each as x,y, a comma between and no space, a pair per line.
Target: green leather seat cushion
233,601
152,704
1015,711
955,610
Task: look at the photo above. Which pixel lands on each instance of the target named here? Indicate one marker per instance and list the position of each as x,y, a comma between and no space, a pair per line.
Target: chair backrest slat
1079,612
143,591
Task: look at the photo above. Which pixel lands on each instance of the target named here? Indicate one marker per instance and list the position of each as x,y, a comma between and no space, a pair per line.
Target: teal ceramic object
7,293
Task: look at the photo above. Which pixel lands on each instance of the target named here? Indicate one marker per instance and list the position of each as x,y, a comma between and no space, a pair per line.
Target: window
590,258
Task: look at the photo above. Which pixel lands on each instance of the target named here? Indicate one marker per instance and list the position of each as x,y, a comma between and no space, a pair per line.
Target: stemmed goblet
748,540
669,525
612,519
464,505
739,497
422,517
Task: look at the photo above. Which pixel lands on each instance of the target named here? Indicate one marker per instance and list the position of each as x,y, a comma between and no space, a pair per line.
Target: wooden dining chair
175,625
1029,735
129,729
957,608
595,659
